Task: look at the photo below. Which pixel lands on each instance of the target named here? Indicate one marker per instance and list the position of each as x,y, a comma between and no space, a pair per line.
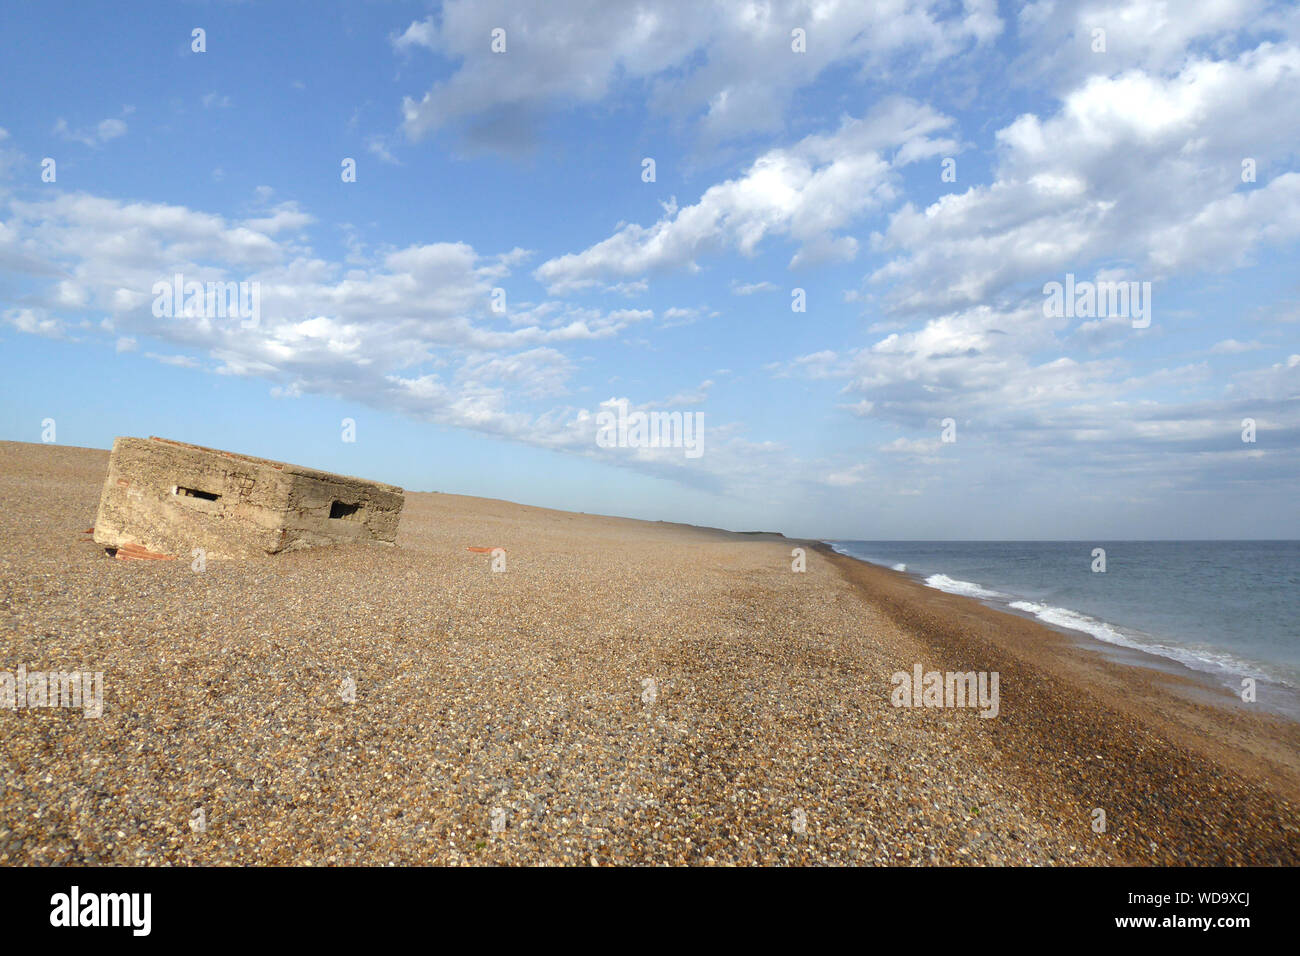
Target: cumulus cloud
1134,169
1001,375
1152,35
807,192
1125,164
410,329
731,65
34,322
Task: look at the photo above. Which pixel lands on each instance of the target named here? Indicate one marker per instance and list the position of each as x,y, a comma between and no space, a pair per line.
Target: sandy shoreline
521,697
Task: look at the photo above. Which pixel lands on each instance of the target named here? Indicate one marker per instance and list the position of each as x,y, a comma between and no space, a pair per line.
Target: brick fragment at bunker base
171,498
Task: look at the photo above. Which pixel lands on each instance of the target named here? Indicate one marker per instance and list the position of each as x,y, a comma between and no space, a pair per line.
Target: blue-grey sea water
1225,608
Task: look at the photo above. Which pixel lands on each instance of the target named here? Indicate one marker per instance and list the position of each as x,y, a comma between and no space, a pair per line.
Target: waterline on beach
1158,598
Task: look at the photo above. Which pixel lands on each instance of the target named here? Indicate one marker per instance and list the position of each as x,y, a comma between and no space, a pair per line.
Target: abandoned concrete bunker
173,498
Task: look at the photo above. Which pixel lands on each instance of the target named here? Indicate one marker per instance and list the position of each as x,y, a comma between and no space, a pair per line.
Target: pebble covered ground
623,692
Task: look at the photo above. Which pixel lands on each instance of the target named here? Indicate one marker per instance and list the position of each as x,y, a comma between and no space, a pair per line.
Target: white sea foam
1063,617
944,583
1198,658
900,567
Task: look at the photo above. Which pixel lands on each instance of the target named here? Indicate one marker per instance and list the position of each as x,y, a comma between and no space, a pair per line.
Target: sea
1224,609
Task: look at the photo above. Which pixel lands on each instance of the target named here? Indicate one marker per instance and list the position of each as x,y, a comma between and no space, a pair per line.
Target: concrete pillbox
171,497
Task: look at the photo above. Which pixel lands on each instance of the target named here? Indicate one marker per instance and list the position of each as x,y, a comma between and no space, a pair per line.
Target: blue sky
775,170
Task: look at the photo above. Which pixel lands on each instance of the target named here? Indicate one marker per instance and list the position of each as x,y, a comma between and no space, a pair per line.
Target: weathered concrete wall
172,497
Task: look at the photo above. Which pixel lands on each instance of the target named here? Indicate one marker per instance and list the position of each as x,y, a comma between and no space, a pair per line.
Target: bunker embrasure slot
195,493
340,509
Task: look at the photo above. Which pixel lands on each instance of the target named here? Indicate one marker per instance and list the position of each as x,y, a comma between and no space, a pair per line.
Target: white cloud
34,322
731,64
410,329
677,315
848,477
695,396
178,361
534,373
1233,347
110,129
283,216
1152,35
806,192
105,130
1134,169
1279,382
749,288
378,146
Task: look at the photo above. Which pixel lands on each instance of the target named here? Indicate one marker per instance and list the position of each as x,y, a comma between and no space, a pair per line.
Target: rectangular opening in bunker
340,510
195,493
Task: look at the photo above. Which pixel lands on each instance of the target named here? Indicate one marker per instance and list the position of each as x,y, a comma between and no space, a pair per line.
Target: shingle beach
624,692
